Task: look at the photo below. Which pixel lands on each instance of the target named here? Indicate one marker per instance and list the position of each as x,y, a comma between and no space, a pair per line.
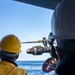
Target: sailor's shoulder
22,71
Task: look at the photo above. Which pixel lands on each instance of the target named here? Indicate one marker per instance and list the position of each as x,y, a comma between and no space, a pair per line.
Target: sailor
10,49
63,29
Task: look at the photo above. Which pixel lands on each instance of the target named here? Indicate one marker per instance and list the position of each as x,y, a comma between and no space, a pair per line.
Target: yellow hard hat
11,43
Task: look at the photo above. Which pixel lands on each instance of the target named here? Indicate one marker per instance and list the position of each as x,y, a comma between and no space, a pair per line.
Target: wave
33,67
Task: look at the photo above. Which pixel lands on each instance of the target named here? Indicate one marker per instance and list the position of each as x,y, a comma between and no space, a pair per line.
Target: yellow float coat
7,68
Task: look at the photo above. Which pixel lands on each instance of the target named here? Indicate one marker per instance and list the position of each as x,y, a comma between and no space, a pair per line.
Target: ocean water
33,67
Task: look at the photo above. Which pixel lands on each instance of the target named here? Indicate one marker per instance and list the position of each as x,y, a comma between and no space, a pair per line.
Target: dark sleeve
65,67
